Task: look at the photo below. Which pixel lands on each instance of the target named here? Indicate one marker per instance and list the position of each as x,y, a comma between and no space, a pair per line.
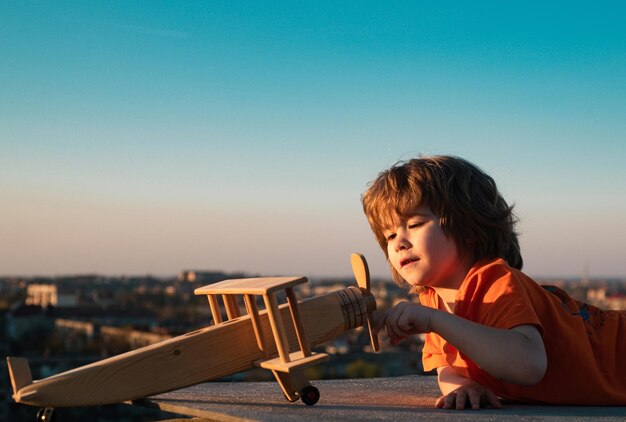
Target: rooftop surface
405,398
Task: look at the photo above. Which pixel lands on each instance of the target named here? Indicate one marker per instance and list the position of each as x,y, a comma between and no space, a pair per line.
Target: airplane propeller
362,275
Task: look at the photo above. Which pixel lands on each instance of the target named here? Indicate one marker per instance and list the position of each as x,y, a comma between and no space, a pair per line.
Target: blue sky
151,137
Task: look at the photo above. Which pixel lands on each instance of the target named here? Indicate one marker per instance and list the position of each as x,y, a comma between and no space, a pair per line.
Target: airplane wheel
310,395
46,414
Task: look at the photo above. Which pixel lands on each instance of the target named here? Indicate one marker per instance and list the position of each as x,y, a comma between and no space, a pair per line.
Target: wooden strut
253,311
297,322
215,309
278,328
232,309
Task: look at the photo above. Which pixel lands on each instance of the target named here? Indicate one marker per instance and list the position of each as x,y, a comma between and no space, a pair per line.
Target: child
491,330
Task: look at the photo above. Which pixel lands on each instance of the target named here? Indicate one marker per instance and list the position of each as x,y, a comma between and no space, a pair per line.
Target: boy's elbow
531,372
532,375
530,369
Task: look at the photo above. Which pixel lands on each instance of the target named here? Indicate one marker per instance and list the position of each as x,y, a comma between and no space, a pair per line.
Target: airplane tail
19,372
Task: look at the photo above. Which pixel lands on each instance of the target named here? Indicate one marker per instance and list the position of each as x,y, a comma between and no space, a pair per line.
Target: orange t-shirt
585,346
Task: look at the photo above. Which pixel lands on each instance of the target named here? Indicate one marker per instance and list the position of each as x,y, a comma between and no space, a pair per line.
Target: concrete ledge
395,399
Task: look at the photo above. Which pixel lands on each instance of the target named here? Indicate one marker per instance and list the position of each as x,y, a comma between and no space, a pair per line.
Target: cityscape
150,148
63,322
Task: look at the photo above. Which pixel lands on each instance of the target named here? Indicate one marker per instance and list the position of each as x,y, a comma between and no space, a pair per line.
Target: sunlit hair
465,199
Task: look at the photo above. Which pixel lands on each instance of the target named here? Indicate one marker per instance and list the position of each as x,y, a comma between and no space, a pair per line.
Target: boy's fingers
404,323
461,399
492,399
395,334
448,402
474,399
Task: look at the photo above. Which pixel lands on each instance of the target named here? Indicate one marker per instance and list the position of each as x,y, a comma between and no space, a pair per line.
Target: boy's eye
390,236
416,224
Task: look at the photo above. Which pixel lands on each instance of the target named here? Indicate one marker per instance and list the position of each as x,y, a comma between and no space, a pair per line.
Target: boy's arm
458,391
515,355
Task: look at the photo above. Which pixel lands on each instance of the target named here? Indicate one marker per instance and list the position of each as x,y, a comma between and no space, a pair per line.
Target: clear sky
150,137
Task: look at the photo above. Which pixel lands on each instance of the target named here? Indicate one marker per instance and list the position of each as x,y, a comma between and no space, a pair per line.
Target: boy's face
422,254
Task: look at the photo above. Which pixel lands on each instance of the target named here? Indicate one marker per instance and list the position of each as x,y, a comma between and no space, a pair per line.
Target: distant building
597,296
616,301
134,338
44,295
204,277
85,327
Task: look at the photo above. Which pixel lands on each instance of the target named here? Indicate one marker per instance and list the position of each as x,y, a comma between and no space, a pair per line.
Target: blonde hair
464,198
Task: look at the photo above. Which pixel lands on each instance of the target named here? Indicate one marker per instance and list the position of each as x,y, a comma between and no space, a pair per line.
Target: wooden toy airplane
262,338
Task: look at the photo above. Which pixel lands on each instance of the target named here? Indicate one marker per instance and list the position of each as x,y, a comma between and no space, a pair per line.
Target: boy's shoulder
486,280
492,267
496,276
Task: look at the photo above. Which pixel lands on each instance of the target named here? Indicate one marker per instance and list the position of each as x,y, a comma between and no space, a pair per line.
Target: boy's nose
402,242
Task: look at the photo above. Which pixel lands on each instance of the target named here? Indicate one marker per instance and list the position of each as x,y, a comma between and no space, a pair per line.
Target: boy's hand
470,394
403,320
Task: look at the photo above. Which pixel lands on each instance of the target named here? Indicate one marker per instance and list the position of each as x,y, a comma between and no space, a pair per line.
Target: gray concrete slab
404,398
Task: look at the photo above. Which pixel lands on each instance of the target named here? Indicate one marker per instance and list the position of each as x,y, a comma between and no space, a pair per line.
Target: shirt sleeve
499,299
432,355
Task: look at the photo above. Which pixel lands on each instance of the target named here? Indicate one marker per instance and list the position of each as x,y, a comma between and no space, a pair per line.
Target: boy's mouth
407,261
